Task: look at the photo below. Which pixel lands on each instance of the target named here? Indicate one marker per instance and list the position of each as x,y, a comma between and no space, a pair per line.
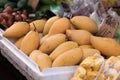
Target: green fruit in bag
46,2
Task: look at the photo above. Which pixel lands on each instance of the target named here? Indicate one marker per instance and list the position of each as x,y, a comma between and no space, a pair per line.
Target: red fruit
1,17
19,12
14,13
8,16
9,22
24,16
10,19
25,12
18,18
4,15
8,10
4,22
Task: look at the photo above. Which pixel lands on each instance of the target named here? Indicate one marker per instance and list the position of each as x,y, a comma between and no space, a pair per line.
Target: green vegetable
46,2
22,4
47,14
57,2
15,9
28,8
49,2
69,1
3,2
43,8
1,9
12,4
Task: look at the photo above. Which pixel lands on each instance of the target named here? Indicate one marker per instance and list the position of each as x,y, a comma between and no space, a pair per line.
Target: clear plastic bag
96,15
114,14
91,8
90,68
86,7
111,69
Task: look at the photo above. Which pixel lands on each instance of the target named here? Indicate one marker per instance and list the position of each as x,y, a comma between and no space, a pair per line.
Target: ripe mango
86,46
18,42
52,42
68,58
62,48
82,37
17,30
43,39
84,22
34,54
107,46
30,42
59,26
44,61
49,23
38,25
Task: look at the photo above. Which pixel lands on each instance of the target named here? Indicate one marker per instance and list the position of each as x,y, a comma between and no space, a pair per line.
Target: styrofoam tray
30,69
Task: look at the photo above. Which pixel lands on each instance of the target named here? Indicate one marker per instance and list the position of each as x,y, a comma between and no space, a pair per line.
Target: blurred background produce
12,11
28,10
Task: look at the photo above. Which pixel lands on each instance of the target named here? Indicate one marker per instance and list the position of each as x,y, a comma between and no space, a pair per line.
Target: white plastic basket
30,69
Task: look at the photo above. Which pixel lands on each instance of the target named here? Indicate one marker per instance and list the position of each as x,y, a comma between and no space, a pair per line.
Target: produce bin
29,68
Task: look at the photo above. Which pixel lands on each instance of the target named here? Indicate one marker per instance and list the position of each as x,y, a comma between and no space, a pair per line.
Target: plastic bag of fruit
86,7
90,68
80,7
97,68
111,69
96,15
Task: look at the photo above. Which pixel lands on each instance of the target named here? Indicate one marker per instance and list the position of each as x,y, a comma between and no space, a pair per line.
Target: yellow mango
107,46
44,61
49,23
82,37
59,26
72,27
17,30
43,39
86,46
38,25
34,54
84,22
18,42
52,42
62,48
30,42
68,58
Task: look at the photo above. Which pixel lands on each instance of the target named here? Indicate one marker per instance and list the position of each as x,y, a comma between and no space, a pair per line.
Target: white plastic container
30,69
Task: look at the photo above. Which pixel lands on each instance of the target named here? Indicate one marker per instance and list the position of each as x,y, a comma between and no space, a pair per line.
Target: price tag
108,27
33,3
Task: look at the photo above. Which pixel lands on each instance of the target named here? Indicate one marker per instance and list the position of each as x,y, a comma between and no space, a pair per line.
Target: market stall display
55,47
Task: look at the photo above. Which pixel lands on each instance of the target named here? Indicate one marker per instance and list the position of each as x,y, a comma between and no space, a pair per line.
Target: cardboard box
29,68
